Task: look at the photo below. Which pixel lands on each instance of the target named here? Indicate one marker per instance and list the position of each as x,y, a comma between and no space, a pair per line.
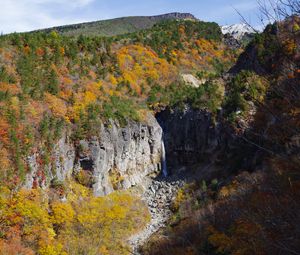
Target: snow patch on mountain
238,31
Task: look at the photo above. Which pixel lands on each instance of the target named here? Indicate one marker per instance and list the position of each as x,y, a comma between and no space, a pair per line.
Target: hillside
149,135
77,120
58,82
253,210
117,26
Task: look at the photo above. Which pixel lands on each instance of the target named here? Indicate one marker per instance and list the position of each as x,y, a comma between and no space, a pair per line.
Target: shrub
85,178
244,88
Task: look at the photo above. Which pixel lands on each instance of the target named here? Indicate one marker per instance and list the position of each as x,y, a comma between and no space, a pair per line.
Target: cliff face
60,168
189,136
126,155
120,157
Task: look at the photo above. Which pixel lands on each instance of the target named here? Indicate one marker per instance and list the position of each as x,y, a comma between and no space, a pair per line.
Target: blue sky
26,15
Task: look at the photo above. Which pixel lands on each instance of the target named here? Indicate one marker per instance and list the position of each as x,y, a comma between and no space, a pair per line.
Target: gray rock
60,168
134,152
131,153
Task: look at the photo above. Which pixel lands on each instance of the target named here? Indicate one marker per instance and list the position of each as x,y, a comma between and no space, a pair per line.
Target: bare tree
271,11
277,10
244,20
289,7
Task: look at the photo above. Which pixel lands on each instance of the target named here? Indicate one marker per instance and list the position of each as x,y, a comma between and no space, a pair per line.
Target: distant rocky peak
238,31
175,15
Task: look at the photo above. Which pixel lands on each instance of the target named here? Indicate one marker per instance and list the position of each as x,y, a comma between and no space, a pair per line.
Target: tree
274,11
52,83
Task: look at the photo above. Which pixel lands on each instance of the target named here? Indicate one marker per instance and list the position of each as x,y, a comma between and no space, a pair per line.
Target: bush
85,178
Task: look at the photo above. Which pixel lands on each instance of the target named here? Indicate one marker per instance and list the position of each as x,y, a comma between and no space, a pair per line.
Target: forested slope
256,209
51,85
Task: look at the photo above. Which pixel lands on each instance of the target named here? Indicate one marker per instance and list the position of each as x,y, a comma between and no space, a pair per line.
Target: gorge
122,156
150,136
156,158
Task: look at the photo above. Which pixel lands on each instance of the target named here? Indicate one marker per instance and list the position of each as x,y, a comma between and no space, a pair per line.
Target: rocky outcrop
174,15
192,81
118,158
231,42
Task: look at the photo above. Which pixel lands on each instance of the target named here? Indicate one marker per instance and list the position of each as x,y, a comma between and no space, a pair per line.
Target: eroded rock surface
118,158
126,154
61,166
192,81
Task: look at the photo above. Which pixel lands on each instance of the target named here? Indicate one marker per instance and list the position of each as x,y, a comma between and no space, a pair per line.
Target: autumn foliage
34,224
50,83
254,211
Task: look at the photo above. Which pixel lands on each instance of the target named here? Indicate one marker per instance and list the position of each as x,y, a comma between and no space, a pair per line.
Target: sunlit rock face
118,158
125,154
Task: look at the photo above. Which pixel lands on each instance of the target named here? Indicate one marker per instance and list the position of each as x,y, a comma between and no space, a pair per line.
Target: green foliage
107,27
4,96
52,86
88,122
165,36
208,96
51,129
120,109
6,77
244,88
219,67
204,186
214,184
269,48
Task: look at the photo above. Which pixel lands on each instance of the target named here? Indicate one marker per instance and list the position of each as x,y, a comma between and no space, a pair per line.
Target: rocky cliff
189,136
124,156
121,157
118,158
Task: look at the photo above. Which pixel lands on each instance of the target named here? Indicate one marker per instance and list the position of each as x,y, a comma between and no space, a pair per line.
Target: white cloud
26,15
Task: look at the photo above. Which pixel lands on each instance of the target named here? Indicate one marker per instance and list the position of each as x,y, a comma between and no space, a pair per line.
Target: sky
27,15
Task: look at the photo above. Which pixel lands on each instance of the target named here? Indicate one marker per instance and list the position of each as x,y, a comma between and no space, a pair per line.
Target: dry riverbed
158,195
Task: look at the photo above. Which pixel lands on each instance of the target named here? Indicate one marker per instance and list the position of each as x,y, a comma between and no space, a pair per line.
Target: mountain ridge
117,26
